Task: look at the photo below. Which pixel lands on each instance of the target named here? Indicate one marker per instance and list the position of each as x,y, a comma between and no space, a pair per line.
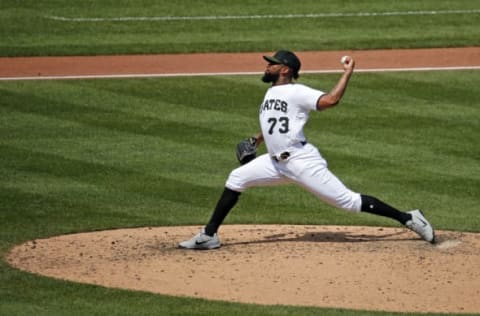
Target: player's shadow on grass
325,237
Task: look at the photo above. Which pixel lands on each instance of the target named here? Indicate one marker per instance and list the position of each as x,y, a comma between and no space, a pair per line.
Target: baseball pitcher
283,113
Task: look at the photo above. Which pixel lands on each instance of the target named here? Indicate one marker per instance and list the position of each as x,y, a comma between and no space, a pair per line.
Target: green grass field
85,155
126,27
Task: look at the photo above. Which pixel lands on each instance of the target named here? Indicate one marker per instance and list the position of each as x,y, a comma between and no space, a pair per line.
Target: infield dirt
40,67
368,268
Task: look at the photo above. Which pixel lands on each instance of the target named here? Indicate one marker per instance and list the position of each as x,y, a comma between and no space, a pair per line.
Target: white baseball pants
306,167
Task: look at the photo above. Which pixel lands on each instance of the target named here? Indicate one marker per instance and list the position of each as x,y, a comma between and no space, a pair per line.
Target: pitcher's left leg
258,172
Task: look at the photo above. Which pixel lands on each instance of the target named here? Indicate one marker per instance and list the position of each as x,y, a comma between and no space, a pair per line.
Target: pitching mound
366,268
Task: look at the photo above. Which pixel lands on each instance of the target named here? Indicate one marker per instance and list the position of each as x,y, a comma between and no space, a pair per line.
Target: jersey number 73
283,124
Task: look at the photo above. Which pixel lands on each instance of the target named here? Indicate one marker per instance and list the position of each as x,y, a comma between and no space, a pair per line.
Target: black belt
284,156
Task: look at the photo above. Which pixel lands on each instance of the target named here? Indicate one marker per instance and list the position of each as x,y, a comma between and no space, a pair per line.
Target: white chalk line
206,74
256,17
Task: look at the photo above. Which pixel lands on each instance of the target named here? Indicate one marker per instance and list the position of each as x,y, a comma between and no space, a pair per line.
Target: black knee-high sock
373,205
226,202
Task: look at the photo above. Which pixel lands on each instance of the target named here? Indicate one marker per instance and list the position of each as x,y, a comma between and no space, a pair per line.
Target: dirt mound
369,268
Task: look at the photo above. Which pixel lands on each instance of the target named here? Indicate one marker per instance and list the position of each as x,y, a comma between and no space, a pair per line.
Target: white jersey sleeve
283,114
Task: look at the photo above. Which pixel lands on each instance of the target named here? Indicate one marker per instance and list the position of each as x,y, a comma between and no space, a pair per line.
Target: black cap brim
272,60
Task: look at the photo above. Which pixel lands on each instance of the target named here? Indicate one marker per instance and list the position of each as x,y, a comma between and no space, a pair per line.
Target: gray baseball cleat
421,226
201,241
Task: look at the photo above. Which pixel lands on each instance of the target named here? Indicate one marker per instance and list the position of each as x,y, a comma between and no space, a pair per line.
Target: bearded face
270,77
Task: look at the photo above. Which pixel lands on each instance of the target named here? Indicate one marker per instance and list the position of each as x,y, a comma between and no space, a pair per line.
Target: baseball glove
247,150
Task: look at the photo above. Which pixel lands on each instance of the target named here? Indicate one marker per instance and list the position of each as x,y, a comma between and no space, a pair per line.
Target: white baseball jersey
283,114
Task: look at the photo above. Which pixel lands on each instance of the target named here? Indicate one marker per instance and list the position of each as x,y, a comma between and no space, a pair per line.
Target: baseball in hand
345,59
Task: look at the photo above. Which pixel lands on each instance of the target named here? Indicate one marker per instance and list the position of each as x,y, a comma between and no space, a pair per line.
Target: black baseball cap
286,58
